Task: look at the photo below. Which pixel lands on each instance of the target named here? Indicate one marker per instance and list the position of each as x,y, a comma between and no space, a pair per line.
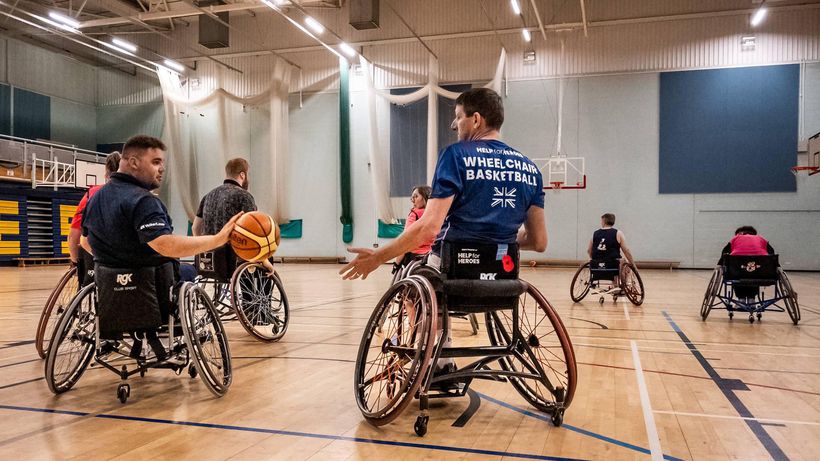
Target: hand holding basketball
254,237
225,233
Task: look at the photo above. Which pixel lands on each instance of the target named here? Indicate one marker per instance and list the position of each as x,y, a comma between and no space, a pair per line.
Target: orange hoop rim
807,169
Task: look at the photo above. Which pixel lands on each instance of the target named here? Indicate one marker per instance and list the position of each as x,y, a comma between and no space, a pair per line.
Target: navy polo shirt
120,220
493,186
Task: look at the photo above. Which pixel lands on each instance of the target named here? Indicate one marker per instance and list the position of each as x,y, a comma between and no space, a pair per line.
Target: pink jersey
415,215
749,245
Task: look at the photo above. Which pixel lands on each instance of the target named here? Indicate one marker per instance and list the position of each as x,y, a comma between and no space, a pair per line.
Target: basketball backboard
562,172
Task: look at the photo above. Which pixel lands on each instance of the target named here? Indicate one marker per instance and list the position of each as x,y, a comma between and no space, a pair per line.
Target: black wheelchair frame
524,332
258,303
750,272
588,279
199,343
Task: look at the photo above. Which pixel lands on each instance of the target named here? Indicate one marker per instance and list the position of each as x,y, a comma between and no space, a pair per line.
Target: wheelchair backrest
218,264
604,269
479,261
759,267
480,277
133,299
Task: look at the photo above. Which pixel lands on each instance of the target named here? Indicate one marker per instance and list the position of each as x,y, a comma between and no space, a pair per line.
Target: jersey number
602,245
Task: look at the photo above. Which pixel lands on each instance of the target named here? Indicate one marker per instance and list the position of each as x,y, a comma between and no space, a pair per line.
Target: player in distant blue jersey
483,191
606,246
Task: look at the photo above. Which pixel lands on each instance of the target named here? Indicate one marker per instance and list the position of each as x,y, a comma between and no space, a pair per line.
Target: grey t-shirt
221,204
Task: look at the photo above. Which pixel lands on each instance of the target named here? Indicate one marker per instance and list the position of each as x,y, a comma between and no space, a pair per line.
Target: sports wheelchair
244,292
529,345
599,278
119,316
65,290
739,284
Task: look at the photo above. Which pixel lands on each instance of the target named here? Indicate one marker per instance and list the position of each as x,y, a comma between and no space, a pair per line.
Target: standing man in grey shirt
221,204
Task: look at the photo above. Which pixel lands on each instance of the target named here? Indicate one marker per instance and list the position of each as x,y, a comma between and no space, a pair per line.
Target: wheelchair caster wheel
421,425
557,417
751,319
142,373
759,317
192,371
123,392
731,314
601,300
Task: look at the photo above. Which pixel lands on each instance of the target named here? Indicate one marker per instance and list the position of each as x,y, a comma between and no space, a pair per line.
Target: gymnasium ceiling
168,28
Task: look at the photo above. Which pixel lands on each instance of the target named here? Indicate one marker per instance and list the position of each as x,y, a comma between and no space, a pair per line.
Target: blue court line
729,392
294,434
574,428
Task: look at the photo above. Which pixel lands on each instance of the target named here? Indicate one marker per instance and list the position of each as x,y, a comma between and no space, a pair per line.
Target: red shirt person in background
112,164
419,199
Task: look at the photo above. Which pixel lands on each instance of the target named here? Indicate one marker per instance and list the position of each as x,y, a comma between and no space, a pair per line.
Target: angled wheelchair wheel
790,296
394,356
206,339
545,348
58,301
632,285
260,302
220,296
580,283
711,290
72,342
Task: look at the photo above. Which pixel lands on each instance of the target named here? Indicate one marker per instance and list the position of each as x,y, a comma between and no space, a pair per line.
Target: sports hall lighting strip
270,4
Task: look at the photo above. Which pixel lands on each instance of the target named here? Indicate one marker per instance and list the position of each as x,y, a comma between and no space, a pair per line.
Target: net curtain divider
379,156
183,165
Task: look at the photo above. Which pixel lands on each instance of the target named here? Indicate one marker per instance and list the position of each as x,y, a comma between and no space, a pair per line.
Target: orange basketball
255,236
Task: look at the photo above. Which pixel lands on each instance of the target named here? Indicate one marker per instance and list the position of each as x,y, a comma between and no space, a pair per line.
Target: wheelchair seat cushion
132,299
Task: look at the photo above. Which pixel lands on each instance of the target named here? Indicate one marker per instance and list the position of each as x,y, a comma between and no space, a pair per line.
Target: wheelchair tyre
386,381
790,297
206,339
632,285
58,301
73,342
579,287
545,346
711,290
260,302
219,294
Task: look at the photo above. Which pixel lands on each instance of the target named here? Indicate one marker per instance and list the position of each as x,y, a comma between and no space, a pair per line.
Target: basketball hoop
811,170
556,184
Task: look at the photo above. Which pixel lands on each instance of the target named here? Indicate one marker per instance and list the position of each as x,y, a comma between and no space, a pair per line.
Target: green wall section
116,124
74,123
390,231
344,151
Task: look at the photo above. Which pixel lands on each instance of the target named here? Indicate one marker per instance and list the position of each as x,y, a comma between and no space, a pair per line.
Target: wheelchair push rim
260,302
394,357
206,339
581,282
632,285
58,301
73,342
789,296
539,346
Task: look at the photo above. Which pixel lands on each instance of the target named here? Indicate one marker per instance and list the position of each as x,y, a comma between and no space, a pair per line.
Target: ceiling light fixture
347,49
174,65
314,25
526,33
123,45
757,18
65,20
516,7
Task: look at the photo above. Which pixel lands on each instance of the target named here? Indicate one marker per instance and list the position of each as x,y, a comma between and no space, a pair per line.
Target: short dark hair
140,143
236,166
609,219
746,230
484,101
112,162
424,191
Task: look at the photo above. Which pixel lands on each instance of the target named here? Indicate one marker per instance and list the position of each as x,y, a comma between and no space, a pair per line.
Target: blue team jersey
494,185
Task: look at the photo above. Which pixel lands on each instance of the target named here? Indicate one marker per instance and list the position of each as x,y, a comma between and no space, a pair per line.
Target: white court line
626,311
762,420
648,417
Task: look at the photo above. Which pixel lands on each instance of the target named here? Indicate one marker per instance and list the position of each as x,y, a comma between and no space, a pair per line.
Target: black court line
728,388
17,344
603,327
20,363
227,427
21,383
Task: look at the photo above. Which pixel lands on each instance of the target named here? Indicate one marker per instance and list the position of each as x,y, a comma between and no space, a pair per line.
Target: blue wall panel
5,109
32,115
729,130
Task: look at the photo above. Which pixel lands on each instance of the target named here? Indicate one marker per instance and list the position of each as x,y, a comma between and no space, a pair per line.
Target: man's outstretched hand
365,262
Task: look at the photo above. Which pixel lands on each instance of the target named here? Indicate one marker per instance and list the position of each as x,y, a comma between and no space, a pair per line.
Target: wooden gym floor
715,390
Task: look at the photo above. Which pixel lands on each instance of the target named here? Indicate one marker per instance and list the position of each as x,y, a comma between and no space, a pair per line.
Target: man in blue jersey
483,191
606,246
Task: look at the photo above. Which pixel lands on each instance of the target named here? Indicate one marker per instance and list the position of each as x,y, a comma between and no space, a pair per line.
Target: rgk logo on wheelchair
124,279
